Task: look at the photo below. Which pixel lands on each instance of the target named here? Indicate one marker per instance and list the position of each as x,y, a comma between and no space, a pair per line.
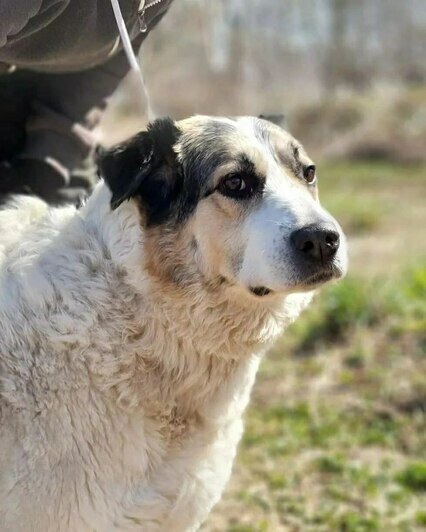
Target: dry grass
385,123
335,435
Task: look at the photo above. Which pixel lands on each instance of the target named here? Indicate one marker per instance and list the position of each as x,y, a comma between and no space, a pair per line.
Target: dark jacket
66,35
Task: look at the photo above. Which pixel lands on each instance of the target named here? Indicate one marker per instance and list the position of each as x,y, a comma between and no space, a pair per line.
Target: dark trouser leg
21,175
45,129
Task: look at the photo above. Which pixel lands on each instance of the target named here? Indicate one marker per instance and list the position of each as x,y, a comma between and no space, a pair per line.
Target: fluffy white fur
120,404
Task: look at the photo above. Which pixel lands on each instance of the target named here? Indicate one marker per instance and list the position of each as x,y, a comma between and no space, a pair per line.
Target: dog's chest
189,458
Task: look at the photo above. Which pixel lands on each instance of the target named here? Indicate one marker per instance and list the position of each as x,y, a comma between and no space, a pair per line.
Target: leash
135,69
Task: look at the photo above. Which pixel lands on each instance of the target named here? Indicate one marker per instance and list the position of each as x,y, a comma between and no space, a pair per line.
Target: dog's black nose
316,242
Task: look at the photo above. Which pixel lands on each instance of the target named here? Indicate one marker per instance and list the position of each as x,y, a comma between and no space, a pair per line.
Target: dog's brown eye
239,186
234,183
309,173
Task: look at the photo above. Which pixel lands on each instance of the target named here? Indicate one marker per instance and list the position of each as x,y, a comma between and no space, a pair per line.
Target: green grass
363,214
414,476
342,318
353,192
420,518
336,177
349,305
341,307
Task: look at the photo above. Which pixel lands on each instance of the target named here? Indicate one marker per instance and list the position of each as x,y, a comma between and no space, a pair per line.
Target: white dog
132,328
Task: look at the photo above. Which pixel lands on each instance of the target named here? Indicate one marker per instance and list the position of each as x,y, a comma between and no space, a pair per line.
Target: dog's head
227,202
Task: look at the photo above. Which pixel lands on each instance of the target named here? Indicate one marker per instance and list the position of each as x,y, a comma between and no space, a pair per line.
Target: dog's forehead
225,139
245,130
264,131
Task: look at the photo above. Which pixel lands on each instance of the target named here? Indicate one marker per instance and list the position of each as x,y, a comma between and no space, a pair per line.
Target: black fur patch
201,156
144,167
278,119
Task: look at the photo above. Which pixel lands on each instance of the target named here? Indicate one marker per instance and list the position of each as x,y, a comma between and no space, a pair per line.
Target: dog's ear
279,119
145,167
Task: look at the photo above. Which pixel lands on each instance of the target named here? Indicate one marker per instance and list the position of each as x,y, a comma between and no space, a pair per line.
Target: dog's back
16,217
48,411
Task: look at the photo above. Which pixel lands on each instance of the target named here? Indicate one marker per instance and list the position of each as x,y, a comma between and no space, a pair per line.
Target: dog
132,328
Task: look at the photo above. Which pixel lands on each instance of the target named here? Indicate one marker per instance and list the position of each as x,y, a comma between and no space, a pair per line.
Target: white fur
120,404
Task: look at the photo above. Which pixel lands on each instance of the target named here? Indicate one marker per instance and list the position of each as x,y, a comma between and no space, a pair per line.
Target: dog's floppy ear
278,119
144,166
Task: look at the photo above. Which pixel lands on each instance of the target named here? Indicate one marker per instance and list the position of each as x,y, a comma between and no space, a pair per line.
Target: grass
348,305
335,436
360,194
413,476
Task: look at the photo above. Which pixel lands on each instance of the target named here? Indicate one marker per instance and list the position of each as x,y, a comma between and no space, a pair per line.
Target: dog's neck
182,352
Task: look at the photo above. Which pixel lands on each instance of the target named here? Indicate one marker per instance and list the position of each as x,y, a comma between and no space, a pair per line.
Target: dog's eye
234,183
238,186
309,173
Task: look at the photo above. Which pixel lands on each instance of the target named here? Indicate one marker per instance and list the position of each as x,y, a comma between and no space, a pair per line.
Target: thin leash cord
130,54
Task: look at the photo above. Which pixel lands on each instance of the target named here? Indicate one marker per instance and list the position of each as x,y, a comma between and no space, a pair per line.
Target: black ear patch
278,119
145,167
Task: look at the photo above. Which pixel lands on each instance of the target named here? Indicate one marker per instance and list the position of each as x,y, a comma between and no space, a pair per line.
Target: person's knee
37,177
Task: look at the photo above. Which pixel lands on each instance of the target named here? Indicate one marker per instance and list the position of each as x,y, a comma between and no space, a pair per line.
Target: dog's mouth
310,282
305,280
306,283
319,278
260,291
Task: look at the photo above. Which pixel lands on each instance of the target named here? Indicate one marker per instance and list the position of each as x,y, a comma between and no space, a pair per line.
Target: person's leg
15,101
23,168
20,175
